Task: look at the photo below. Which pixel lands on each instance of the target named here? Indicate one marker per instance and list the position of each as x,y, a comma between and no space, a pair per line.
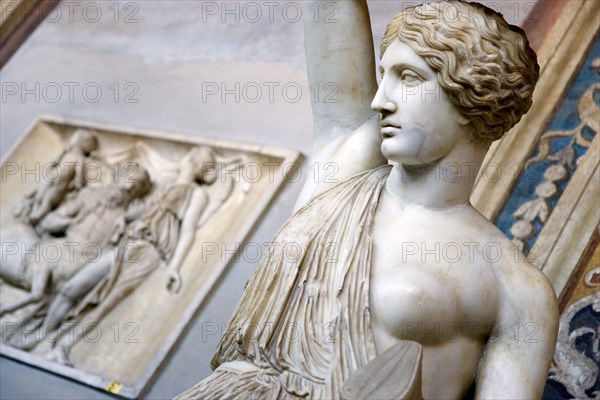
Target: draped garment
149,241
303,324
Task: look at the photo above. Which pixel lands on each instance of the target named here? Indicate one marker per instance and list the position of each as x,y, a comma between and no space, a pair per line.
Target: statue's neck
443,184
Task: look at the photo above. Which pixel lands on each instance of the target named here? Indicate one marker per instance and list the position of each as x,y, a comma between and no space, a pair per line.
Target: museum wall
201,69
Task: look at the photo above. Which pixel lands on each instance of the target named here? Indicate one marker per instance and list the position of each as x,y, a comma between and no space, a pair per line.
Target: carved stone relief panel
110,242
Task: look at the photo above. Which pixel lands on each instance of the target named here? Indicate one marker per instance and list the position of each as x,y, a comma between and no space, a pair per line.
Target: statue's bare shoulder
516,274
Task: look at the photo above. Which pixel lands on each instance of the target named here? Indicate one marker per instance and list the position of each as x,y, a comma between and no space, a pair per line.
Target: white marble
492,313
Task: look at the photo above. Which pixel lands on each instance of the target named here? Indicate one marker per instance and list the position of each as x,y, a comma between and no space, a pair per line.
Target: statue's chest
428,287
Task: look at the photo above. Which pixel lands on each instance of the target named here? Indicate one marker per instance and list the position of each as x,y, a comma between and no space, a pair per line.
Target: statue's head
484,66
134,179
85,139
203,162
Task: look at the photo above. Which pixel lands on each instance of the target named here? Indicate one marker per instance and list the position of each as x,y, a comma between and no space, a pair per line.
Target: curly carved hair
485,66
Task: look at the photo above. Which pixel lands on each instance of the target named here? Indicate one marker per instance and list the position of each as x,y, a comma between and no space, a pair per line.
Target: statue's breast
429,305
431,284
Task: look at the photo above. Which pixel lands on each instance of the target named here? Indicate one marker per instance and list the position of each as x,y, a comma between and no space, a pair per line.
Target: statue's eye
410,76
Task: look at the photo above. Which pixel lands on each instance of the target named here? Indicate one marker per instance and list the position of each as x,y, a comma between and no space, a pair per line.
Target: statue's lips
388,131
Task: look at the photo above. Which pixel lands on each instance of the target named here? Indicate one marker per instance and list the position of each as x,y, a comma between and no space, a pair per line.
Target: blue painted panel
584,327
587,320
565,119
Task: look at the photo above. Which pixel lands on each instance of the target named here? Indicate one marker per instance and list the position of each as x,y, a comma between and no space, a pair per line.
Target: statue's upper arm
518,355
341,66
341,71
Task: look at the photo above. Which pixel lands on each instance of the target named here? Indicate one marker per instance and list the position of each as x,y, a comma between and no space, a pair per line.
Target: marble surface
168,57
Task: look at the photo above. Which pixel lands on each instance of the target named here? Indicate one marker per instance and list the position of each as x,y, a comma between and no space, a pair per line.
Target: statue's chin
394,156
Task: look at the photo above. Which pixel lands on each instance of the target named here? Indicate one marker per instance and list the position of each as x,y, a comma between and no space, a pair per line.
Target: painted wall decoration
546,197
575,371
548,171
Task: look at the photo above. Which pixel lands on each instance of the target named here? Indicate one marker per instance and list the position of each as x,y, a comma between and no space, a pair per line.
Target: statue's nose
381,103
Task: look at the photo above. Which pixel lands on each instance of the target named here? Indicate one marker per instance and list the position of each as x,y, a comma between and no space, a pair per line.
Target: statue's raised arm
341,74
341,63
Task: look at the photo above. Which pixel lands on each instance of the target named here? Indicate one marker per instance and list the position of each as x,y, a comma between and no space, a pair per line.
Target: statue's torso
397,276
432,282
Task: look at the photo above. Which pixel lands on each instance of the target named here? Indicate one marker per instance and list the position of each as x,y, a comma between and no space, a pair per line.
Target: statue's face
418,124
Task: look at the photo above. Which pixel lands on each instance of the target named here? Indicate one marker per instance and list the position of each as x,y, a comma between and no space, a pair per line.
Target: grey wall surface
164,55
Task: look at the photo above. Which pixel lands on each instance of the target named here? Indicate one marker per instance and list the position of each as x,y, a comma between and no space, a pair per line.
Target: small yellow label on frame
114,387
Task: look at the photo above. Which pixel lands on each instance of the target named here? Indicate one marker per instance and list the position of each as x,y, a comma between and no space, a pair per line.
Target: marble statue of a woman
397,253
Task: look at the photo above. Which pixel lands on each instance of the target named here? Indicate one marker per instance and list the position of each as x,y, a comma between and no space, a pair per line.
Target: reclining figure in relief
412,260
87,217
162,235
